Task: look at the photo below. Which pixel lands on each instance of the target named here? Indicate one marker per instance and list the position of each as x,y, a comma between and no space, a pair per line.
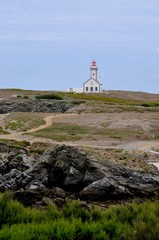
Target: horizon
50,45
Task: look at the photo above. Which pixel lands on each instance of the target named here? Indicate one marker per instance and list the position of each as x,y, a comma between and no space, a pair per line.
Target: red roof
94,64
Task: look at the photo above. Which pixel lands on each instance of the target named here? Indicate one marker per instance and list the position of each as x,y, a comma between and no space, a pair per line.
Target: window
93,74
96,89
91,89
86,89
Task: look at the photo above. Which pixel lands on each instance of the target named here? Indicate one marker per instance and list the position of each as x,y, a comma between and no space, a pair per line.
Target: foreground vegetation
132,221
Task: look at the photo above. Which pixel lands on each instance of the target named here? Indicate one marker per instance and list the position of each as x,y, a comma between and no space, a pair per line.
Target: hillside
139,96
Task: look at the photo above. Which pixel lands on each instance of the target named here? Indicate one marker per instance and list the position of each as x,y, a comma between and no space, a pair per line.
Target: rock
66,167
49,106
104,189
28,197
64,173
15,161
39,173
17,150
48,201
4,148
36,185
59,202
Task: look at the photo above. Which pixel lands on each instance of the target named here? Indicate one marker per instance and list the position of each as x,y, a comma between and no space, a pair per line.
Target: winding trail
145,146
48,122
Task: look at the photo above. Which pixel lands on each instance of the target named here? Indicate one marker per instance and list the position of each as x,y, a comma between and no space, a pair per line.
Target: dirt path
48,122
145,146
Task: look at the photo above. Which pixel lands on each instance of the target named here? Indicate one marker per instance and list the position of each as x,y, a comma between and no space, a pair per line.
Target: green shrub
150,104
25,97
76,222
49,96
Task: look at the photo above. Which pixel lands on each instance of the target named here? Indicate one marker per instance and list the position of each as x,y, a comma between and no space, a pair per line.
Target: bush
75,222
25,97
49,96
150,104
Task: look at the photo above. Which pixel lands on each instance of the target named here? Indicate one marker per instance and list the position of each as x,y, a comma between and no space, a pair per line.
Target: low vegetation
49,96
3,131
73,132
24,121
131,159
12,143
151,104
63,132
73,222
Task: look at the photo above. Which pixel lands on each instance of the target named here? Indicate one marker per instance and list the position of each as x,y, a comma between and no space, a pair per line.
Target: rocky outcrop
48,106
65,172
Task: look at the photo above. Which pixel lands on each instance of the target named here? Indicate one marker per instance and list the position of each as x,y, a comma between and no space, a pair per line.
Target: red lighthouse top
94,64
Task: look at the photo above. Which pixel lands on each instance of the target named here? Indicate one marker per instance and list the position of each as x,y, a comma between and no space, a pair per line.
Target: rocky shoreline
65,173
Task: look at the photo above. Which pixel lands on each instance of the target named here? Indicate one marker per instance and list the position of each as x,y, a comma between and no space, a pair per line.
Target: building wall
75,90
91,86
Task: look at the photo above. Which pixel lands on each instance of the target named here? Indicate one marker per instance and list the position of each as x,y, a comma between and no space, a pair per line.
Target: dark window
96,89
93,74
91,89
86,89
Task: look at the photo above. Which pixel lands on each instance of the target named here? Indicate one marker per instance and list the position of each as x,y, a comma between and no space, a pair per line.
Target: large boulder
70,168
65,172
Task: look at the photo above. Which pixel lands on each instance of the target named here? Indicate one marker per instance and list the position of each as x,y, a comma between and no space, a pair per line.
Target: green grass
73,222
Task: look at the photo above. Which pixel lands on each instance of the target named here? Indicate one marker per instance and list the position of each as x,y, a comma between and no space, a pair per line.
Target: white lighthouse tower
94,70
92,85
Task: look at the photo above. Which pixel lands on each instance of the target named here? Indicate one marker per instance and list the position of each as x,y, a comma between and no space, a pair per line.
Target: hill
138,96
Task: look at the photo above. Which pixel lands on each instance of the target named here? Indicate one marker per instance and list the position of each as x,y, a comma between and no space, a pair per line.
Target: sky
49,45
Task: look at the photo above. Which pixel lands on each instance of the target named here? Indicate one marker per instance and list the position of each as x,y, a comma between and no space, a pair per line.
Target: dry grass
124,126
24,121
131,159
3,131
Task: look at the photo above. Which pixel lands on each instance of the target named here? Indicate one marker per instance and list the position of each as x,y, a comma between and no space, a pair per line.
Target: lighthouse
92,85
94,70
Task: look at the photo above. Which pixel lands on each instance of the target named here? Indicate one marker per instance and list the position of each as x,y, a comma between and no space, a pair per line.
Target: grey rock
4,148
49,106
65,173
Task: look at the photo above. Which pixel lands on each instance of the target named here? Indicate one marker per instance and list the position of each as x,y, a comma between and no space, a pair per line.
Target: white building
75,90
92,85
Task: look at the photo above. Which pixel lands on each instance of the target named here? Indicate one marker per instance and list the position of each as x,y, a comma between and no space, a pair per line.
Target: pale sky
50,44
